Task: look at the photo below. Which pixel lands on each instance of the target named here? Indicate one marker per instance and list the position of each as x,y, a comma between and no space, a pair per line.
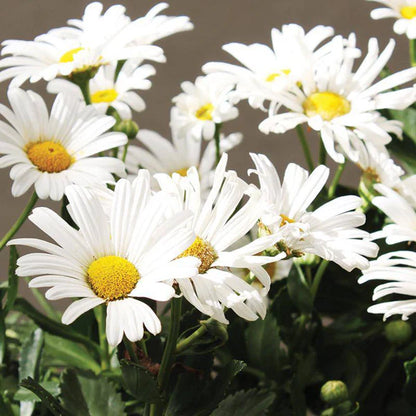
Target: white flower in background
378,166
202,105
105,91
266,70
111,260
163,156
217,226
329,231
341,104
404,11
399,269
97,39
53,151
401,212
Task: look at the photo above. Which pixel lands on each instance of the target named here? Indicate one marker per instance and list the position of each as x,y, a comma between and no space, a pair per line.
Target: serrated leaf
85,394
24,394
29,362
46,398
140,383
62,352
299,293
263,346
13,282
250,403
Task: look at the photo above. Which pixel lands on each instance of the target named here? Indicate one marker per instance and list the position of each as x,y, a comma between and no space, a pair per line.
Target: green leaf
53,327
13,283
299,292
46,398
85,394
410,386
405,151
62,352
140,383
27,395
263,346
29,363
2,333
408,118
250,403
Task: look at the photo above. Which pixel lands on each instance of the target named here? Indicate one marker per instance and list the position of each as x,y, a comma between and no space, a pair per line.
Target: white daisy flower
217,226
105,91
399,270
112,260
401,212
267,70
404,11
341,104
203,105
378,166
164,156
53,151
97,39
329,231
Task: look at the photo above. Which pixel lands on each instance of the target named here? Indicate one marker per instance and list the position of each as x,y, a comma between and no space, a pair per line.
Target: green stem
333,187
300,273
126,146
217,142
85,89
168,353
318,276
381,369
322,153
16,226
412,51
305,147
100,317
43,302
130,350
187,342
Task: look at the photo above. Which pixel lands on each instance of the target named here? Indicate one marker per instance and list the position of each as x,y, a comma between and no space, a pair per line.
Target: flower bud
398,332
308,259
334,392
128,127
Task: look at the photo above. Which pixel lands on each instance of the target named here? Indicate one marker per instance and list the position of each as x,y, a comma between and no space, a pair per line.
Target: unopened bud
307,259
334,392
398,332
128,127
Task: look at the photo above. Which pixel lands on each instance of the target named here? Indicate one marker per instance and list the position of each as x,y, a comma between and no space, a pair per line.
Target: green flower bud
334,392
398,332
128,127
307,259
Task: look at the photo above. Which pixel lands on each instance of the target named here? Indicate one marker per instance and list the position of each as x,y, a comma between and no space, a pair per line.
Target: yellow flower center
112,277
205,112
49,156
104,96
182,172
285,220
408,12
275,75
69,56
204,251
326,104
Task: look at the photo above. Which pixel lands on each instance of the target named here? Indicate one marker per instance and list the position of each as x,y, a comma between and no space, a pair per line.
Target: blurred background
216,22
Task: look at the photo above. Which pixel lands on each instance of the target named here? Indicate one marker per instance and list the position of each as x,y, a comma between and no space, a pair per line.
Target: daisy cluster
152,219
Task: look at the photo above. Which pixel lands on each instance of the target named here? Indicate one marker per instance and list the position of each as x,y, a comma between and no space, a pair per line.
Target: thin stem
100,317
217,142
130,350
333,187
126,146
322,153
43,302
318,276
412,51
300,273
84,85
187,342
305,147
381,369
16,226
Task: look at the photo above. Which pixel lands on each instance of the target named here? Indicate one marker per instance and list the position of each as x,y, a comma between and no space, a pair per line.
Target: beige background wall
216,22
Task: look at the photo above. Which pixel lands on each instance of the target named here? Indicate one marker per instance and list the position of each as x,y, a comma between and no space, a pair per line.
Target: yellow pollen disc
326,104
205,112
408,12
275,75
285,220
69,56
49,156
112,277
204,251
104,96
182,172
